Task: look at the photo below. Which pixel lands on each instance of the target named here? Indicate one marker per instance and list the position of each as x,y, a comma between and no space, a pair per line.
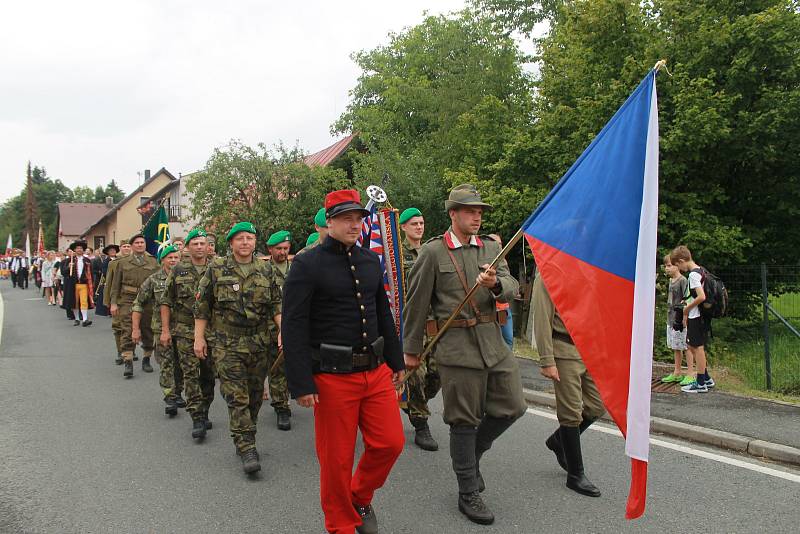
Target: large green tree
272,188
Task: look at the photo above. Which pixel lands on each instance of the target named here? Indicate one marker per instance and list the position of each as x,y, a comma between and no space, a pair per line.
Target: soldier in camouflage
129,275
279,245
423,383
240,299
150,294
177,310
321,229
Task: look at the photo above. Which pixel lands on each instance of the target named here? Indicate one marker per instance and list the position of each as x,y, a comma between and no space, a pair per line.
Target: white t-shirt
695,281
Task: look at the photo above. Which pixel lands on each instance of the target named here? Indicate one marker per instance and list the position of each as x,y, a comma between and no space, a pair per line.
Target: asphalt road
83,450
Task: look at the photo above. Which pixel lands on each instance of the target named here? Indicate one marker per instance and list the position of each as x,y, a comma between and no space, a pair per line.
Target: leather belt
469,323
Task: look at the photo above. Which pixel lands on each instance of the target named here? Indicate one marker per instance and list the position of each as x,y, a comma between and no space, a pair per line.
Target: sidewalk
744,419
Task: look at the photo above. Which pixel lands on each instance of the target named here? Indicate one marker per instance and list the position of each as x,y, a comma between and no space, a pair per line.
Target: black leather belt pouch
377,347
335,358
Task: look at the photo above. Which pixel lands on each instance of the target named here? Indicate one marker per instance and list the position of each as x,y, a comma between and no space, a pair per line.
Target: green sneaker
671,378
688,379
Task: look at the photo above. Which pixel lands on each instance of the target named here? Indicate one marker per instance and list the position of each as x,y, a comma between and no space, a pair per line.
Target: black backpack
716,303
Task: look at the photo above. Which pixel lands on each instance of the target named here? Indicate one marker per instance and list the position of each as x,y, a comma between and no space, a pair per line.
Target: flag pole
503,253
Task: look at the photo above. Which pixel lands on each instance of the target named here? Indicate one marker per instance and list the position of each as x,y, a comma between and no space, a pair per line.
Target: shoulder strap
462,279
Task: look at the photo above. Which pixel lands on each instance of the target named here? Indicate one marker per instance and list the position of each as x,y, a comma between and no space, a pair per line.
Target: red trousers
365,401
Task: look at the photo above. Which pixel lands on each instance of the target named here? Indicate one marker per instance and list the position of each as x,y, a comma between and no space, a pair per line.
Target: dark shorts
696,332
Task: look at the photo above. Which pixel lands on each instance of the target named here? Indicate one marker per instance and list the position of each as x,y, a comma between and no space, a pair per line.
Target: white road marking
688,450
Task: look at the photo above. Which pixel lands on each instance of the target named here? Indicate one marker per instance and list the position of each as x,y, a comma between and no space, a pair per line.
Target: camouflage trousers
423,385
170,376
241,374
127,345
198,378
278,387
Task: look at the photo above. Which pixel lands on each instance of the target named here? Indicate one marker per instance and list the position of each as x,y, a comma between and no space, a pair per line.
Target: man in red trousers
344,359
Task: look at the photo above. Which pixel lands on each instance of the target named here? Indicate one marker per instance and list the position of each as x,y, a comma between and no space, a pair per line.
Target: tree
110,190
83,193
31,212
436,106
273,189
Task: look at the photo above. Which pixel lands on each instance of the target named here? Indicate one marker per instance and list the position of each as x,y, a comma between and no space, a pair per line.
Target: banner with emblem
156,231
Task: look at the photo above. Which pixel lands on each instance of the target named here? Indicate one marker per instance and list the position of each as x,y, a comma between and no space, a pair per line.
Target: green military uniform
150,295
116,324
578,403
313,240
239,302
278,388
481,384
423,382
129,275
198,375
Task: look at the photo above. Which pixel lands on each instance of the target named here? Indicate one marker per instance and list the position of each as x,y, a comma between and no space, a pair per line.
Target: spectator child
676,333
696,326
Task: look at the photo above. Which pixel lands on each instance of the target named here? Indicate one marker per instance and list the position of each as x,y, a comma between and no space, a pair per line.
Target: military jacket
549,332
112,267
238,306
150,295
130,274
309,247
433,282
280,277
179,295
410,255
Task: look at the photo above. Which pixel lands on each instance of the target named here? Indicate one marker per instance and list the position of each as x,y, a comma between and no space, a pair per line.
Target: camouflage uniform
150,295
128,277
240,301
423,382
198,375
278,389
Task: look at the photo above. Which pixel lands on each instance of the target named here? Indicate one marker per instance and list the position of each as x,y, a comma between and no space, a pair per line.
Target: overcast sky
94,90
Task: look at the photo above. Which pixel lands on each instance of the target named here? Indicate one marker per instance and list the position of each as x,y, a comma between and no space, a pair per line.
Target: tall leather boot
489,430
422,434
462,452
576,479
554,442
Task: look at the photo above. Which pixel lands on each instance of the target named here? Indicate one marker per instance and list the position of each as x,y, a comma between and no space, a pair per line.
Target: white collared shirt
473,240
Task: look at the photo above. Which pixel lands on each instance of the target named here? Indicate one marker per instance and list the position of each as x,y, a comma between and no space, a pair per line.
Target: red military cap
337,202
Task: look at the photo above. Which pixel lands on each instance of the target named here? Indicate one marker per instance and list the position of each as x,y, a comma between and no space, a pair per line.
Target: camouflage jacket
410,255
179,295
150,295
238,307
129,275
434,283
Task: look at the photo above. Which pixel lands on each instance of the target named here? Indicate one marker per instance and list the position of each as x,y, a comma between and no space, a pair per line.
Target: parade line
688,450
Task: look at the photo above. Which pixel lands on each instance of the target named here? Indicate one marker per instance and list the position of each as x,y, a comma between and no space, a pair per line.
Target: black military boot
120,360
128,372
208,423
198,429
135,357
462,452
554,443
284,419
250,463
576,479
422,434
171,409
146,367
179,401
369,522
489,430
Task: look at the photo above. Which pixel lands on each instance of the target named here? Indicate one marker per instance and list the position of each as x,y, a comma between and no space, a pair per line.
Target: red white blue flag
594,241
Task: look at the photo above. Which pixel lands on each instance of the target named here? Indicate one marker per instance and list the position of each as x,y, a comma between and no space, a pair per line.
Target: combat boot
284,419
462,452
171,409
208,423
198,429
146,367
179,401
369,522
489,430
128,372
120,360
554,443
576,479
250,463
422,434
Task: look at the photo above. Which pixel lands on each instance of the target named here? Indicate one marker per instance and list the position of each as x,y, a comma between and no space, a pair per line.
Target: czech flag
594,241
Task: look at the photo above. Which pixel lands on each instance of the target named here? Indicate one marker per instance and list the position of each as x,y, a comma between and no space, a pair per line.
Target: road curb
707,436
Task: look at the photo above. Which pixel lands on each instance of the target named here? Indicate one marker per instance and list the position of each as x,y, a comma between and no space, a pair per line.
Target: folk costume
81,297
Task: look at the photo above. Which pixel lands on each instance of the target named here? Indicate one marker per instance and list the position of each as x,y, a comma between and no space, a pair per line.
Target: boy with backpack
693,320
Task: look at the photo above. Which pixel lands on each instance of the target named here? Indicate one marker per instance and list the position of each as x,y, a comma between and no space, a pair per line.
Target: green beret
196,232
278,238
319,218
313,238
166,251
241,227
408,214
